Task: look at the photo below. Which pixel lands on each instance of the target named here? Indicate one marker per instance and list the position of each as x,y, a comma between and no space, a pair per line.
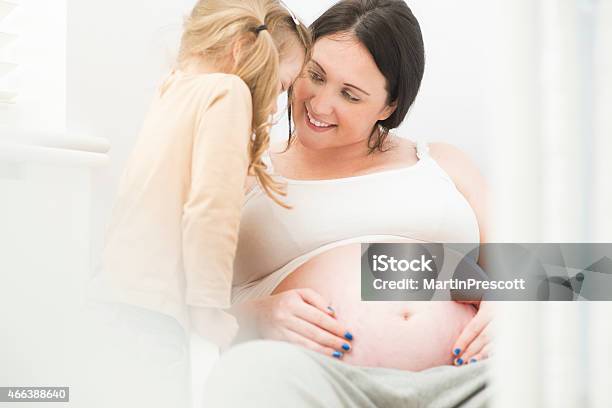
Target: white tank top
417,203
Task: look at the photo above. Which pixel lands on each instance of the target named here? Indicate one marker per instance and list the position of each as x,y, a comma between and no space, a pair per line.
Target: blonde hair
212,31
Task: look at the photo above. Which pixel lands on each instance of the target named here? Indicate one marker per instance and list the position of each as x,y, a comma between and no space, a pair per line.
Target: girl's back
157,225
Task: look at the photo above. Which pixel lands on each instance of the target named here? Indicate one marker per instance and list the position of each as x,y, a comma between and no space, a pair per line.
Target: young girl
168,256
169,250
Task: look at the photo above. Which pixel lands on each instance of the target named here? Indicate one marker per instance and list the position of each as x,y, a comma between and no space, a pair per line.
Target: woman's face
340,96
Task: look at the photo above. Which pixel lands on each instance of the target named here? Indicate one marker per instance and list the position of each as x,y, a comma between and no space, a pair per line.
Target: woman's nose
321,104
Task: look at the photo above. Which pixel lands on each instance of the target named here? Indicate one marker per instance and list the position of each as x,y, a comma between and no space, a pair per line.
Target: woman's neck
304,162
338,154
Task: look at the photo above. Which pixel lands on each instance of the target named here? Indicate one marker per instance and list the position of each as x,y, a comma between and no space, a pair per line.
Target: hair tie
261,28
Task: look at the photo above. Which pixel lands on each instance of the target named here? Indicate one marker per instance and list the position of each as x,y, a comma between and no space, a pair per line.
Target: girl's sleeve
211,214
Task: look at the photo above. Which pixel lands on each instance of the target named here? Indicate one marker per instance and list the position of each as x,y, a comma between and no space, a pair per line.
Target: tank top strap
422,150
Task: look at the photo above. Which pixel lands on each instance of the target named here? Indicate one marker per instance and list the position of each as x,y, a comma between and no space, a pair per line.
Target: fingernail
331,309
346,346
473,360
459,361
456,351
348,336
337,354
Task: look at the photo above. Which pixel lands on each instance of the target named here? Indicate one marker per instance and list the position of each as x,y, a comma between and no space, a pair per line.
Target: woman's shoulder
464,173
447,153
458,166
395,142
457,163
399,150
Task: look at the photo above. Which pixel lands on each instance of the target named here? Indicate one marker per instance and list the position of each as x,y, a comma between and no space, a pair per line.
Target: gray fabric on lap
266,373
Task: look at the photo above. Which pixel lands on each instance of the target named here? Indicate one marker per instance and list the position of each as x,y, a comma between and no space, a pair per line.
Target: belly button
405,315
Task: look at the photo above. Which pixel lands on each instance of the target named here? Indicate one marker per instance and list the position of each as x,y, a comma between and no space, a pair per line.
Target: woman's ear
387,111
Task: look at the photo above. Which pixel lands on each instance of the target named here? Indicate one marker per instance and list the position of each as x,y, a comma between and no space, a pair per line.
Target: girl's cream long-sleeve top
172,236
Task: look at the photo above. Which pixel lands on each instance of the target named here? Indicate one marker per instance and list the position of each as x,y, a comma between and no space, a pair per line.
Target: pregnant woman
297,271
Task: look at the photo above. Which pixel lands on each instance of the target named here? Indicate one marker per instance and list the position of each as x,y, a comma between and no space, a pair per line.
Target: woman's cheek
351,125
301,90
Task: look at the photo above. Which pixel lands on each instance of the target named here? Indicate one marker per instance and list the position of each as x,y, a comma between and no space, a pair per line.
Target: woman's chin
316,141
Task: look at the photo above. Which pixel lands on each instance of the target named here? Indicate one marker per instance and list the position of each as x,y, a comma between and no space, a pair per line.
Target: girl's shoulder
222,83
225,92
213,84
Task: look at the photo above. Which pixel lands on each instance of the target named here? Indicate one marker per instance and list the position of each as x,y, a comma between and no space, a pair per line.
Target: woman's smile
314,124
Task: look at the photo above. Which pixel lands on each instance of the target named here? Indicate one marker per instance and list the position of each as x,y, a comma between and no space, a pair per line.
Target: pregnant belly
403,335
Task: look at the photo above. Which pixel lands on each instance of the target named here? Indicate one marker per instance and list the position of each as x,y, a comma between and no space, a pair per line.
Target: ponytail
263,30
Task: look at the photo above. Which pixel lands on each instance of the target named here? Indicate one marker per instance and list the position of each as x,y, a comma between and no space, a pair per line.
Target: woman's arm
468,179
473,343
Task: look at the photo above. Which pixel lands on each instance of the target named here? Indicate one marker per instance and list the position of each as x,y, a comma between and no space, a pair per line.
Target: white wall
117,54
44,202
39,80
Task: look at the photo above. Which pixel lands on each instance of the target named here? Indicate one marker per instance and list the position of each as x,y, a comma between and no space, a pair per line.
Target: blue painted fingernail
348,336
459,361
337,354
457,351
473,360
346,346
331,309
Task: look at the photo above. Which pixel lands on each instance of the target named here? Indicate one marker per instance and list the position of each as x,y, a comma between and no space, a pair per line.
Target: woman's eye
315,77
350,97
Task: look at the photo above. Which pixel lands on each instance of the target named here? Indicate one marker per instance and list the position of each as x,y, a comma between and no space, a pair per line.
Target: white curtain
551,125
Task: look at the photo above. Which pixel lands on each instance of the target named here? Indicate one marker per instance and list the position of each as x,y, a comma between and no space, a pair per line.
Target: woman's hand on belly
301,316
403,335
474,343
